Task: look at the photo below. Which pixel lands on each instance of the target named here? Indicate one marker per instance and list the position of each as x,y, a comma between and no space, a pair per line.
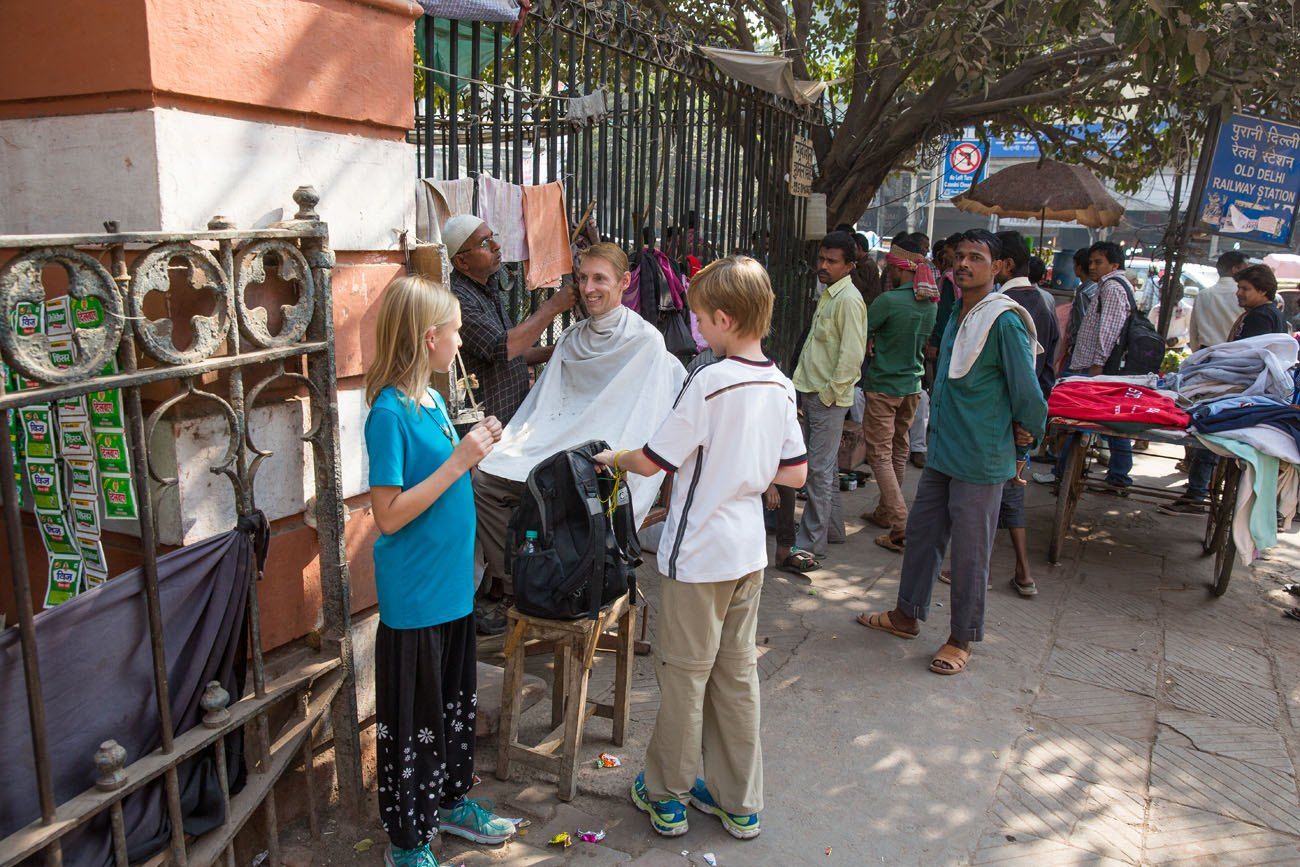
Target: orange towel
548,235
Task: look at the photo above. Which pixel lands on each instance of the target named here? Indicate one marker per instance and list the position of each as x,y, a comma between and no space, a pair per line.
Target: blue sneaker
421,857
474,820
666,817
740,827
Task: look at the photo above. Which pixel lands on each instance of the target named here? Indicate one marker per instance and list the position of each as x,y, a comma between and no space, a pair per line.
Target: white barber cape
610,379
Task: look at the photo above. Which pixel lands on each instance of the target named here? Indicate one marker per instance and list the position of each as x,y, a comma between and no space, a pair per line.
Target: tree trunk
849,192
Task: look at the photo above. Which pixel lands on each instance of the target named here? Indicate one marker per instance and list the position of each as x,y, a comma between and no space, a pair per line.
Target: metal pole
934,202
1172,291
1172,242
910,221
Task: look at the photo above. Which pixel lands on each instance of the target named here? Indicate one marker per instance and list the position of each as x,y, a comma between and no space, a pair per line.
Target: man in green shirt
986,405
899,326
828,369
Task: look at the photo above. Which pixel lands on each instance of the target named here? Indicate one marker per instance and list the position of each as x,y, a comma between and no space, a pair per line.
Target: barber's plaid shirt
1103,323
502,383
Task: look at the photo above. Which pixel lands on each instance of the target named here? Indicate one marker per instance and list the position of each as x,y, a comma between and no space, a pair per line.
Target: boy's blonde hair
410,306
738,286
611,253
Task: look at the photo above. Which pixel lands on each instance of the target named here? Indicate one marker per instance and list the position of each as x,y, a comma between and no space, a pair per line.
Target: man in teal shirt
986,405
899,324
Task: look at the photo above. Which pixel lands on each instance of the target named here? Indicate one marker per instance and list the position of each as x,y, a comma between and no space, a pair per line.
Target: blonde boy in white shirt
732,432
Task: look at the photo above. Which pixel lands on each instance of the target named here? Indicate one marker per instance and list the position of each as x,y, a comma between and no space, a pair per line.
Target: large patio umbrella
1046,189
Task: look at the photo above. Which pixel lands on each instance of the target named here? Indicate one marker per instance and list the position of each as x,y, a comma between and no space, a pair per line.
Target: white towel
501,204
437,201
973,332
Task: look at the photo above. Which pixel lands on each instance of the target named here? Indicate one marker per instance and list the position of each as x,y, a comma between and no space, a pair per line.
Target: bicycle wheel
1067,498
1225,548
1212,515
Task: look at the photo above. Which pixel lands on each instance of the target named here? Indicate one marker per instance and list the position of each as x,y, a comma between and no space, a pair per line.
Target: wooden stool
575,644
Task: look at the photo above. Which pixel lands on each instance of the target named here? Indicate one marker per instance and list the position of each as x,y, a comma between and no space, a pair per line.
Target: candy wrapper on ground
591,836
564,838
605,760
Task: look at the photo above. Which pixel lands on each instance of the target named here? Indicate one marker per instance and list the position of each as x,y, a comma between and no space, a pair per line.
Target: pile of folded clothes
1247,412
1260,365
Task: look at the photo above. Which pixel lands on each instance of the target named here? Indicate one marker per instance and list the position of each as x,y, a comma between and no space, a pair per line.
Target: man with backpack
1099,348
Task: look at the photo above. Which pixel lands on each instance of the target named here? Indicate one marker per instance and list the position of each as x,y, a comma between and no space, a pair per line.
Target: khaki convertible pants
708,678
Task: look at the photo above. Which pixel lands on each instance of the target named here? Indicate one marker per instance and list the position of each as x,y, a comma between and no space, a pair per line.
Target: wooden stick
581,223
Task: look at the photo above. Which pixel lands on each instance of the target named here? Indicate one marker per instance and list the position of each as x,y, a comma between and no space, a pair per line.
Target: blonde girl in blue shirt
425,651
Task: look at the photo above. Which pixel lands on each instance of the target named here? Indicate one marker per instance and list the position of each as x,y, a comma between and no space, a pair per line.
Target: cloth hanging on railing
768,72
547,230
583,110
501,205
497,11
437,201
97,681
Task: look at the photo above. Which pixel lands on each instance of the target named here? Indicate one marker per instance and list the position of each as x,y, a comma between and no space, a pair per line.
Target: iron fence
234,340
681,156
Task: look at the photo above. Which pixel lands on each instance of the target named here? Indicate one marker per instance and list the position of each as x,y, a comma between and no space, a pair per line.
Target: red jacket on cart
1115,404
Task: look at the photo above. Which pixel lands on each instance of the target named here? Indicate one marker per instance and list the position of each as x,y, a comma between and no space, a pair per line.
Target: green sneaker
421,857
666,817
740,827
474,820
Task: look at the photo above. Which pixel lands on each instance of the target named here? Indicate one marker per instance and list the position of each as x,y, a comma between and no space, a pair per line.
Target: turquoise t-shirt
424,573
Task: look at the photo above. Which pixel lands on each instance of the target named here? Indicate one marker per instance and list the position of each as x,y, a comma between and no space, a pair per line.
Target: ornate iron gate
229,342
680,146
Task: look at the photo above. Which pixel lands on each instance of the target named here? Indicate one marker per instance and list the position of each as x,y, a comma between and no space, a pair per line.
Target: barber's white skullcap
457,231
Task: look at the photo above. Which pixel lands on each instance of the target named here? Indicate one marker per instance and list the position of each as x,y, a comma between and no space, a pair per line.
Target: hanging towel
501,205
436,202
547,230
1254,522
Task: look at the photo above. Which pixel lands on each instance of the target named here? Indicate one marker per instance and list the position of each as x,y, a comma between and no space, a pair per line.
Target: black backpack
585,559
1140,348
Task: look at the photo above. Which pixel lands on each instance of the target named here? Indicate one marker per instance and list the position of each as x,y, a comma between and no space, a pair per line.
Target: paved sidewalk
1123,716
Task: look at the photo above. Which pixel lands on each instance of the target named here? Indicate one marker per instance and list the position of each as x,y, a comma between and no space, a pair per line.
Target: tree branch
988,108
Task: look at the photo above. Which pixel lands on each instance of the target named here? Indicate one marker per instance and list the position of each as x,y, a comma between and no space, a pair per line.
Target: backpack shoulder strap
580,467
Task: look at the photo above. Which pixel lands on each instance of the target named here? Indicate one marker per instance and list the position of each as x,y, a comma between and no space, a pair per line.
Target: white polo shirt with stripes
733,425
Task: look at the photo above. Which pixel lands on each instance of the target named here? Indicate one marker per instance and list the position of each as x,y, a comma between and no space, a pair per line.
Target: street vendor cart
1075,480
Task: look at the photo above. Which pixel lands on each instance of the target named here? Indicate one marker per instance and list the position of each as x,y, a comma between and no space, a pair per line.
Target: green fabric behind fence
439,58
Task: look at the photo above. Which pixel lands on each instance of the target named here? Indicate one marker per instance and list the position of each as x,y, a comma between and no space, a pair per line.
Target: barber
497,353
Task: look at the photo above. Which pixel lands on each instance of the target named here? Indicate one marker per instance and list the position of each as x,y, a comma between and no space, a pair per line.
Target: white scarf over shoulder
973,332
610,379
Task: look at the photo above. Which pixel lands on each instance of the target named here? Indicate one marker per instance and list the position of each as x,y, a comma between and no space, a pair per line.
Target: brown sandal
880,620
955,657
886,541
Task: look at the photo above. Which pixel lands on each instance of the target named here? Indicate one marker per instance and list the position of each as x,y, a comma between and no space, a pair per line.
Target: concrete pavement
1122,716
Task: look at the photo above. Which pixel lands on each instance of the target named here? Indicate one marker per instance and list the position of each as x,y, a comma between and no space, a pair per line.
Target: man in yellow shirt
829,367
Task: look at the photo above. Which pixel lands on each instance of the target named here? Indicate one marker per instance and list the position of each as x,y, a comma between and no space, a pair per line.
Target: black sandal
799,563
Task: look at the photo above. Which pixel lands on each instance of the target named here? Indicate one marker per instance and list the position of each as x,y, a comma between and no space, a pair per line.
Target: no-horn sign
963,167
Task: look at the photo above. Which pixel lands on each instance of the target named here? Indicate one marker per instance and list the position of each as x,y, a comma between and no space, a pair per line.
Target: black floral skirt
425,697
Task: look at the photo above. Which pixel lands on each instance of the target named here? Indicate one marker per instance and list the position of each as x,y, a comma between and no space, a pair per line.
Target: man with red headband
899,324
